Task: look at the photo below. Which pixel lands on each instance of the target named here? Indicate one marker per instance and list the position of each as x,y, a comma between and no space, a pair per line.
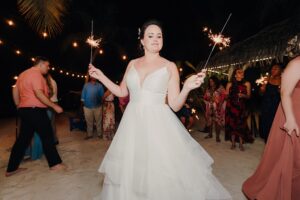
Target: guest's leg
209,126
105,120
233,141
98,119
241,143
218,130
210,131
22,142
51,115
44,130
89,118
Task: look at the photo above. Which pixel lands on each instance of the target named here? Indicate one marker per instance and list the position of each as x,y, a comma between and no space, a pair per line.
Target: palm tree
44,15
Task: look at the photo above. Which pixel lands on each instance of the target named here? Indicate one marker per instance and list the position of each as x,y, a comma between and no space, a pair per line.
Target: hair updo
141,32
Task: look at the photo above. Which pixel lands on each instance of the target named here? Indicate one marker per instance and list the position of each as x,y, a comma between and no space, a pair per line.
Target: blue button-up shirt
92,94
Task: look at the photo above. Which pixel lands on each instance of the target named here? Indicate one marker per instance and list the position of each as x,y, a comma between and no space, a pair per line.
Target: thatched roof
268,44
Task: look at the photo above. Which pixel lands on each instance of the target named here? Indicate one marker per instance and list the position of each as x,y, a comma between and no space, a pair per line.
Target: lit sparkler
262,80
217,39
215,42
93,42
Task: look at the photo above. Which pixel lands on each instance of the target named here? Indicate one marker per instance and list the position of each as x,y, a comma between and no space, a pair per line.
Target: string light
180,69
75,44
124,57
16,77
10,22
13,86
45,34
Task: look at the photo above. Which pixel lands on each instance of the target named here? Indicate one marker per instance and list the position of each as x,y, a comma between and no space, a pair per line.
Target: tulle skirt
153,157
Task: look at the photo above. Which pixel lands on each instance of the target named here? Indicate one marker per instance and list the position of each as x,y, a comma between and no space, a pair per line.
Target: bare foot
7,174
58,167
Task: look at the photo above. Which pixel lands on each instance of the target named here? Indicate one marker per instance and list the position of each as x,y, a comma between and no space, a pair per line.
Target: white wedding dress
153,156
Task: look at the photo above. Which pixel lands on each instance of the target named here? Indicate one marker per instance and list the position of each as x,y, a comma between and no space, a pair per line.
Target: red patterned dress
235,114
215,106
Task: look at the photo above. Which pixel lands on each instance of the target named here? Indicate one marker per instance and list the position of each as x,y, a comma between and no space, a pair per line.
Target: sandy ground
82,181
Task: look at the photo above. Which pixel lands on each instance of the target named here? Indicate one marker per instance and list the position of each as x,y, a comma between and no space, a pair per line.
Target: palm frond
44,15
190,65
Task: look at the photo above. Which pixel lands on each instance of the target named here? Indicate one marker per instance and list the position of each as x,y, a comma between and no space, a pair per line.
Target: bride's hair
141,32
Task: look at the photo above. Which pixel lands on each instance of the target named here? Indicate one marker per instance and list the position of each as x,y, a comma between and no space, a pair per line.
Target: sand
82,181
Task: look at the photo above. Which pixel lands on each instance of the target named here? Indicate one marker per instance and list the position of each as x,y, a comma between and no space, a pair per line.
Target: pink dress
277,177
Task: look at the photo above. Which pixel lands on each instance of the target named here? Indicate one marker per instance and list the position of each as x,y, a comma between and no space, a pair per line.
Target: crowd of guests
99,109
225,109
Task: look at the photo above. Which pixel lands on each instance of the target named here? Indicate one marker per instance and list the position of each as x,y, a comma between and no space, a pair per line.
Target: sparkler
218,39
212,49
262,80
94,43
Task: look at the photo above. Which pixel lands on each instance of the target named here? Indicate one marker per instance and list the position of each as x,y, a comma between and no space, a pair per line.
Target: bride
152,156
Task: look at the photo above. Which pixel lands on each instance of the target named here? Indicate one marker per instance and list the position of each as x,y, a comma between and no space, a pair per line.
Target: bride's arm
290,77
177,98
118,90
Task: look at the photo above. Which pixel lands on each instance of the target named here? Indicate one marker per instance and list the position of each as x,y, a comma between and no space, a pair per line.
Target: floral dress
109,117
215,106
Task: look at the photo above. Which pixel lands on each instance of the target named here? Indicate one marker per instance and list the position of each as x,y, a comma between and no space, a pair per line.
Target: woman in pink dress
277,177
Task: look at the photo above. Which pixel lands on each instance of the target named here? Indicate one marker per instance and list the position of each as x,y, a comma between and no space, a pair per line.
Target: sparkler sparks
92,42
217,39
212,49
262,80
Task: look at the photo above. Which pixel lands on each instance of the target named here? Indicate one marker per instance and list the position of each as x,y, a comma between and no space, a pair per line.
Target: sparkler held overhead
94,43
217,38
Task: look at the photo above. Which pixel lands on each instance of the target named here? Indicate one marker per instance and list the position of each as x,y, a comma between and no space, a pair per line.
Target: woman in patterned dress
238,91
214,98
108,116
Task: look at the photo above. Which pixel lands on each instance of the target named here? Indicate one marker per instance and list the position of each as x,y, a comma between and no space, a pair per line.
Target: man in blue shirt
91,97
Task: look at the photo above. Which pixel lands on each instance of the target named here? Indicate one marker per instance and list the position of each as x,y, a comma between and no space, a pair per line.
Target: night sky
117,23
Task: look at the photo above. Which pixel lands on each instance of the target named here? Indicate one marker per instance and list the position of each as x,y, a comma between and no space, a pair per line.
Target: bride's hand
195,81
94,72
290,126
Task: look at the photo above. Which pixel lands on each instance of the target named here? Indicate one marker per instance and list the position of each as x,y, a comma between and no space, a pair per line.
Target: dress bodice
152,90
